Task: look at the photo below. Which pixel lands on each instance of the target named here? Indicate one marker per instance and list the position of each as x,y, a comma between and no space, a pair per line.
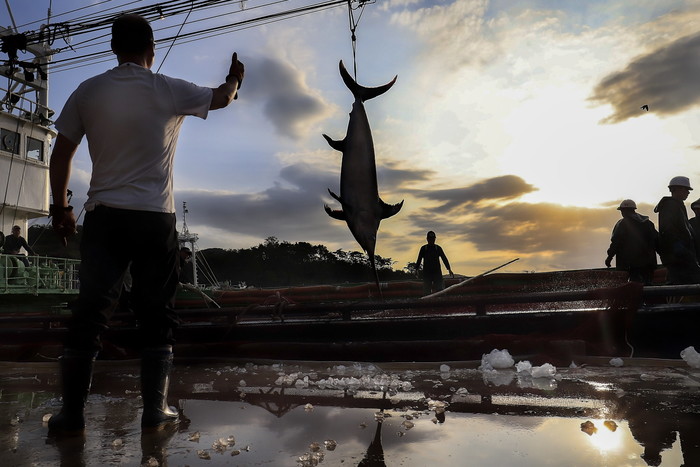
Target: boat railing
44,275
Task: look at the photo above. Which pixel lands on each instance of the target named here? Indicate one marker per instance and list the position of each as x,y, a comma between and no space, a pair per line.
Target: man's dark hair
131,34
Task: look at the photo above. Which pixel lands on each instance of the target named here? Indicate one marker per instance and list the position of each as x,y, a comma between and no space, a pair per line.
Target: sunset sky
514,129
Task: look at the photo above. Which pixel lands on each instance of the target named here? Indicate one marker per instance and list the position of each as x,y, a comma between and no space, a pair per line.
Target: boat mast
185,237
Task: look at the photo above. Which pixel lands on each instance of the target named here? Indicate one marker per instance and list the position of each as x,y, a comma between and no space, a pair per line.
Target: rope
353,28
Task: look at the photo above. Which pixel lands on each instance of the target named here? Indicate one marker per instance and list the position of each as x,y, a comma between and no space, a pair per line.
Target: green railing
44,275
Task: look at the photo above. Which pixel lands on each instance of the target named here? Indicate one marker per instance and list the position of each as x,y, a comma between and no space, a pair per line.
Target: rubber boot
76,377
156,364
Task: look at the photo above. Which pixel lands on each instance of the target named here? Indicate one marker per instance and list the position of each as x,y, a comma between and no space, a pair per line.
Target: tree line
272,263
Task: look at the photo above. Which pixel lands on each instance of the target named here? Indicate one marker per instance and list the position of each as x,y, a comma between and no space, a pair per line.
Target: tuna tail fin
334,213
389,210
337,145
360,92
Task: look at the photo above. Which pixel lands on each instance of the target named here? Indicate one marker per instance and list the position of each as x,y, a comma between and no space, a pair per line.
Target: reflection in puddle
305,414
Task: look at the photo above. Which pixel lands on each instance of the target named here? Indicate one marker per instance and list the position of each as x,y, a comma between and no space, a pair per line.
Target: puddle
345,414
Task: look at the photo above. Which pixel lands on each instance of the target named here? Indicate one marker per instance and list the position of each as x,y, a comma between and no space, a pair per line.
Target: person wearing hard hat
633,244
676,236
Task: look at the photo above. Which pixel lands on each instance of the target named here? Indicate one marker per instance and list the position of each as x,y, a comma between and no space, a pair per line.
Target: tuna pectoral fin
337,145
336,197
389,210
335,214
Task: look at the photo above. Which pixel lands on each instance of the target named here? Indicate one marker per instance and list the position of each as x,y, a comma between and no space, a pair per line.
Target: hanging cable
175,38
353,27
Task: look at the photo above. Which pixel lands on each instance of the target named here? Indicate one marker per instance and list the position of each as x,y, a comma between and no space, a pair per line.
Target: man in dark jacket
14,244
695,224
676,239
633,244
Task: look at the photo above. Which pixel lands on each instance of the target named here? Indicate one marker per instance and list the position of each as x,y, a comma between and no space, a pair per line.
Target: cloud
665,80
287,101
497,188
545,236
291,209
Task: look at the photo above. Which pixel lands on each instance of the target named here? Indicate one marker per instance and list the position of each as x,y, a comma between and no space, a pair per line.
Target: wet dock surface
293,413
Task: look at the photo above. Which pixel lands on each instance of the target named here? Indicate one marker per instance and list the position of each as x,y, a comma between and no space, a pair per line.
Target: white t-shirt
132,118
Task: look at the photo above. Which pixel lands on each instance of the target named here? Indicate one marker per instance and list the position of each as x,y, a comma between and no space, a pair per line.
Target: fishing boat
45,283
590,312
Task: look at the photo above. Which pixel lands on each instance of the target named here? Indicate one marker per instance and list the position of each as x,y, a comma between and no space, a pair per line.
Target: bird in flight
645,107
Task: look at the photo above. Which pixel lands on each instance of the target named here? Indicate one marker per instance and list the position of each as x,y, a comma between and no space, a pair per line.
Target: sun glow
605,436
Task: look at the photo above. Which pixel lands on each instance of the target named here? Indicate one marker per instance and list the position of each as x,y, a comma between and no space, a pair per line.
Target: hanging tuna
362,208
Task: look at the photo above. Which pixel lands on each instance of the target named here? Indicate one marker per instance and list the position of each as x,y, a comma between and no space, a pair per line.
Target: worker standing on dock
131,118
432,272
634,244
676,237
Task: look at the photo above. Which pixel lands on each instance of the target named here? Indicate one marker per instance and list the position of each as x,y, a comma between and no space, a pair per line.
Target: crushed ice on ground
203,388
330,444
496,359
546,370
616,362
691,357
310,459
523,366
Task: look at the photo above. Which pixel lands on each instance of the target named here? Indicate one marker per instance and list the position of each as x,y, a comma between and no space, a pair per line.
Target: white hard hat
680,181
627,204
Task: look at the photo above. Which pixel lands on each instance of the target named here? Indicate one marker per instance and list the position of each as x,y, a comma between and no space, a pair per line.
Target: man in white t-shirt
131,118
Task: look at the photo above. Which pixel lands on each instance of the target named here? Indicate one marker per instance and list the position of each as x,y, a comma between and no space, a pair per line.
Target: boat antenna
353,27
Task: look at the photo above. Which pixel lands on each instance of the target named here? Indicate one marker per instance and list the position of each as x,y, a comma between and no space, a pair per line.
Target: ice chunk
616,362
610,425
314,447
203,388
589,428
150,462
523,366
496,359
117,443
231,440
194,437
408,425
308,407
203,454
219,445
46,417
444,368
547,370
330,444
691,357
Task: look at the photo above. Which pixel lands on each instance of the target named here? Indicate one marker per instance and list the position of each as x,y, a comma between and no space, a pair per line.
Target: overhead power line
95,23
